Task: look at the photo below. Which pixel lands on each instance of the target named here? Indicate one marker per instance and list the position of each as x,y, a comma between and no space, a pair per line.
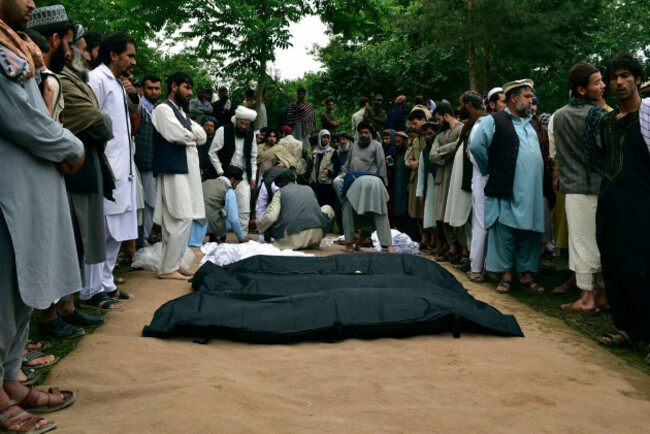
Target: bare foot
185,271
390,249
174,275
348,248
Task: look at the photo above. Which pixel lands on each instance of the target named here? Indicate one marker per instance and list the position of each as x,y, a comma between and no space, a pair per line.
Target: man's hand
128,86
245,240
421,199
64,167
415,165
220,174
325,172
555,180
252,184
253,223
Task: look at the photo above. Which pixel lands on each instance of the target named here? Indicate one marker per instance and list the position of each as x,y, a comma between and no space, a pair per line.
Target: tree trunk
261,82
471,54
487,77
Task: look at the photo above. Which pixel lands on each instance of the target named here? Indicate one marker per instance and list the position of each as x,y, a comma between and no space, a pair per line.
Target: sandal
12,415
34,345
101,301
32,376
532,287
120,295
504,286
32,356
576,307
620,339
54,400
475,277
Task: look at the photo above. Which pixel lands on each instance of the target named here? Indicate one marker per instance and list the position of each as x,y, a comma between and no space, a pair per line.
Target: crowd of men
92,159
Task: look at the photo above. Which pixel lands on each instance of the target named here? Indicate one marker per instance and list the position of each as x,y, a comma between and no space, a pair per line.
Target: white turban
244,113
493,91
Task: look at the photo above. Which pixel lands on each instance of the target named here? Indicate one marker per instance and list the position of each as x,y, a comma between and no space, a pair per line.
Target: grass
557,271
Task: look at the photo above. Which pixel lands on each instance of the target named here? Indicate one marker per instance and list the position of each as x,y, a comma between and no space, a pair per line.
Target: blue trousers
509,247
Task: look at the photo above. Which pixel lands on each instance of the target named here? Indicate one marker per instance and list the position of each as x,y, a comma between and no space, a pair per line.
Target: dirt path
553,380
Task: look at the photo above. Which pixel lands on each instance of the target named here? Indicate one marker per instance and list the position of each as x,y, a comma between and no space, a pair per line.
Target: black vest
226,153
170,158
502,157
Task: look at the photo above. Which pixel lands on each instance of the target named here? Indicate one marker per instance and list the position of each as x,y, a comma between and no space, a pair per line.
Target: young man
568,131
144,155
179,198
117,54
327,119
221,205
514,213
622,224
376,115
301,118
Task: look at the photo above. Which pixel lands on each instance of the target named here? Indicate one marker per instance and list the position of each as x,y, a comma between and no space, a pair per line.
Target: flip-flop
620,339
120,295
475,277
32,376
101,301
38,346
33,355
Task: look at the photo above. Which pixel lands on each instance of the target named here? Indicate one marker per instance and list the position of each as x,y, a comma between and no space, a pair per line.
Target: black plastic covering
269,299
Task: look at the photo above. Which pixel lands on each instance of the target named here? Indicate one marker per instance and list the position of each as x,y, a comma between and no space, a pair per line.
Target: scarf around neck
20,58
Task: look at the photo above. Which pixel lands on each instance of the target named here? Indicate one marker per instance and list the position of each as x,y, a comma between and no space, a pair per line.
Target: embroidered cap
517,83
46,16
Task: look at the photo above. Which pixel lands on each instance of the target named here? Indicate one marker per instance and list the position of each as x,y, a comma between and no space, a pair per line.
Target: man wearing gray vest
179,198
569,132
293,219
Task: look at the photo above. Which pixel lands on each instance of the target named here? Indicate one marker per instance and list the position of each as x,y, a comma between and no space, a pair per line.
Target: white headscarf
323,149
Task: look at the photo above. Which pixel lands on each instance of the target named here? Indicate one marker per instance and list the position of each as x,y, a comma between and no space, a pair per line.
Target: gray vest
569,133
299,211
214,198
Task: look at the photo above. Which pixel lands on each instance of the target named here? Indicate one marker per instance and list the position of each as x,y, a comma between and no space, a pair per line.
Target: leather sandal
504,286
11,415
54,400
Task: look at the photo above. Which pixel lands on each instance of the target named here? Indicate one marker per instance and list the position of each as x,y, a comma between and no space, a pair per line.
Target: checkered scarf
20,58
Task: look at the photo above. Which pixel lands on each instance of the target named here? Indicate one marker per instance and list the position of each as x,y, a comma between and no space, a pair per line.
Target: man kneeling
293,219
364,207
221,205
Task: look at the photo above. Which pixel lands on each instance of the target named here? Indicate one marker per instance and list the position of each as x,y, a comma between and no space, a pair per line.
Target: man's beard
464,113
57,62
522,109
78,66
344,147
240,133
364,142
182,102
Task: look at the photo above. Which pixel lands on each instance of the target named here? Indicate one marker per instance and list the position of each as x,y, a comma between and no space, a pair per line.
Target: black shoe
464,267
60,330
82,319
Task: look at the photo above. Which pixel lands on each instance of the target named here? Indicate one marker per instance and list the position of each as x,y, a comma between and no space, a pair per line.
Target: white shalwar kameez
121,215
179,197
478,246
459,201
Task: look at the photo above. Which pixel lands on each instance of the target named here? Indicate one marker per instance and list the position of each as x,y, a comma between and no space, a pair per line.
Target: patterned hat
46,16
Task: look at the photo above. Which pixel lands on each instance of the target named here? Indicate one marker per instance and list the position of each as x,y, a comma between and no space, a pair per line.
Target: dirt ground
553,380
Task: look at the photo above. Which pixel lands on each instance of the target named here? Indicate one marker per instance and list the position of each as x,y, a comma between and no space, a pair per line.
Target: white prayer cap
244,113
493,91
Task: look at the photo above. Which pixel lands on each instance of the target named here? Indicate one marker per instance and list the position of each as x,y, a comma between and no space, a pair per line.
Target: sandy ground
553,380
